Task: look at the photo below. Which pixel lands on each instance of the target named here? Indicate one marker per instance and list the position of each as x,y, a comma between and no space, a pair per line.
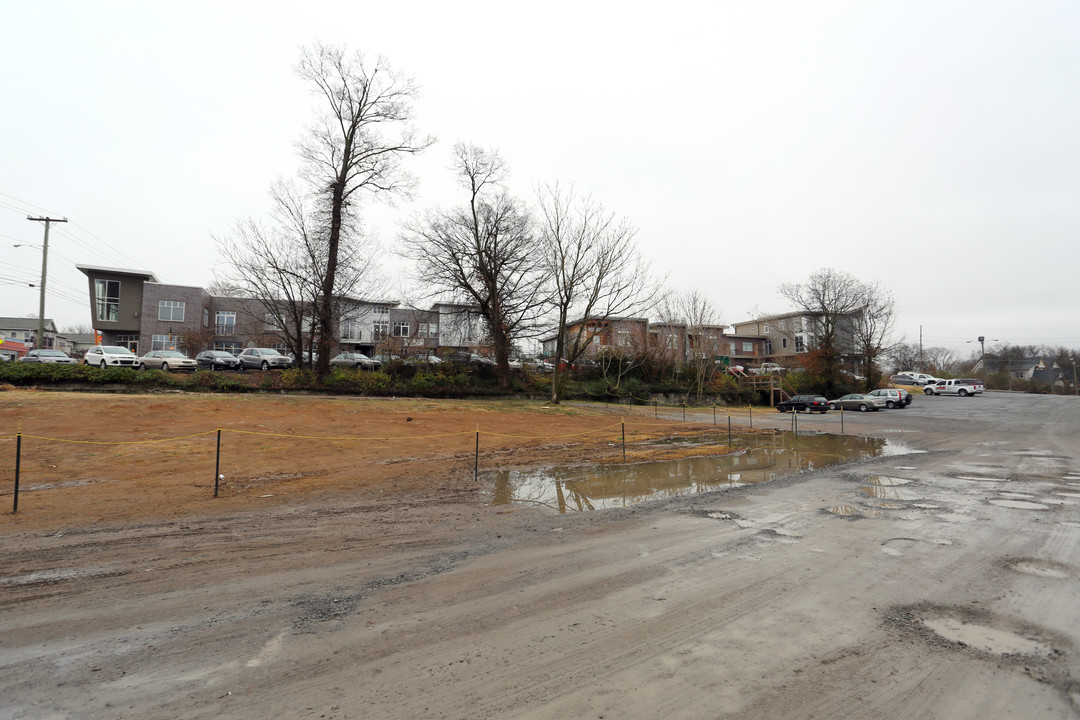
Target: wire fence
613,432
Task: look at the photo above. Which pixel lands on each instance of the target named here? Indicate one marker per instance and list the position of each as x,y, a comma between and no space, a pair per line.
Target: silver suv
264,359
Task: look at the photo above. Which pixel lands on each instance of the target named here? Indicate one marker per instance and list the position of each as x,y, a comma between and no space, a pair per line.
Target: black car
804,403
218,360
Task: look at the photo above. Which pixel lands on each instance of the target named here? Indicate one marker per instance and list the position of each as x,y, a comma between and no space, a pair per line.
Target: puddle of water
852,511
569,489
1041,569
886,480
1020,504
888,492
987,639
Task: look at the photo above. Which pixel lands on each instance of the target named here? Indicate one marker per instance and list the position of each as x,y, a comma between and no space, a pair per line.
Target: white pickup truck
961,387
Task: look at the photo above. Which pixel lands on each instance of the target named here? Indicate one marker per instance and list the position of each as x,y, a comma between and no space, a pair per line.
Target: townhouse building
131,308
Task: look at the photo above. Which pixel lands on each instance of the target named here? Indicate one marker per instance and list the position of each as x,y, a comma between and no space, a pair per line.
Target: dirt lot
370,576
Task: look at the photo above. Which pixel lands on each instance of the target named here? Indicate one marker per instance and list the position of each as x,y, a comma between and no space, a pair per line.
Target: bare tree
871,327
596,271
281,264
483,254
704,335
356,146
941,359
832,298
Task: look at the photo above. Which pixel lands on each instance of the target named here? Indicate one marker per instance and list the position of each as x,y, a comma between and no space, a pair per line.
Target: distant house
788,335
1037,369
25,330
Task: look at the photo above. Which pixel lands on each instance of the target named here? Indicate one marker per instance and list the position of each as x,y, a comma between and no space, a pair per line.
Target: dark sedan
804,403
48,356
218,360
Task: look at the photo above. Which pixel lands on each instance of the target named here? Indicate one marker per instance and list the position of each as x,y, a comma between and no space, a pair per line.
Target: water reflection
760,458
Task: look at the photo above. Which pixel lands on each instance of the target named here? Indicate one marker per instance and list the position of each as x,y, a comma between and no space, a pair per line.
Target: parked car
980,386
310,358
767,368
264,359
48,356
542,366
354,360
903,379
960,386
804,403
919,378
167,361
905,396
218,360
857,401
894,398
110,355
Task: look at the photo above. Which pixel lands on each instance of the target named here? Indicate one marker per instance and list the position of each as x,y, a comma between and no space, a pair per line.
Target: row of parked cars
256,359
863,402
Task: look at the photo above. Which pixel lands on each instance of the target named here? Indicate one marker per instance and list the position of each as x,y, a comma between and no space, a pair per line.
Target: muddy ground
369,576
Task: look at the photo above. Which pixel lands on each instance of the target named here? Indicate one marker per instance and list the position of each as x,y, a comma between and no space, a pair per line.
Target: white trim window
380,330
401,329
107,299
225,322
170,310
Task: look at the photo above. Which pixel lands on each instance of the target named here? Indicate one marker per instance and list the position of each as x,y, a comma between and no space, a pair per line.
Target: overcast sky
933,147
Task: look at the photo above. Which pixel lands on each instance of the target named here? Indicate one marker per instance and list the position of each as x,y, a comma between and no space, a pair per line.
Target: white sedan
167,361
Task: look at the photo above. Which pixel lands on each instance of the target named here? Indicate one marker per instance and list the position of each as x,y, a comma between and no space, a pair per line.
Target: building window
229,347
131,342
350,329
781,325
381,310
379,330
401,329
107,296
768,347
623,337
767,329
732,348
800,344
783,343
672,342
161,342
206,317
748,347
170,310
225,322
427,330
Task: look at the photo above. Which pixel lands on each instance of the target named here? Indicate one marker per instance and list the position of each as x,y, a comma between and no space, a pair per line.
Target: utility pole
44,266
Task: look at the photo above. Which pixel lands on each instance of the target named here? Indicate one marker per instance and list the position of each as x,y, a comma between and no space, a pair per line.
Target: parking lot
938,580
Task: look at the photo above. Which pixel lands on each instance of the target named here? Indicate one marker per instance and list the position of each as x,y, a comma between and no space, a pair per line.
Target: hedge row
396,381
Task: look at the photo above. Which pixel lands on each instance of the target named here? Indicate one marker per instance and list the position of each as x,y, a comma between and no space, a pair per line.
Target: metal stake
18,460
217,464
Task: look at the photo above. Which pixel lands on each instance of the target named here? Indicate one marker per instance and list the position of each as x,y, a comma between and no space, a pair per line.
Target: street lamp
39,341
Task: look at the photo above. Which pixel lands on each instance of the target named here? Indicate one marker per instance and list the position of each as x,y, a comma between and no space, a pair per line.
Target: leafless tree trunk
704,335
355,146
872,327
596,271
483,254
832,298
282,265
